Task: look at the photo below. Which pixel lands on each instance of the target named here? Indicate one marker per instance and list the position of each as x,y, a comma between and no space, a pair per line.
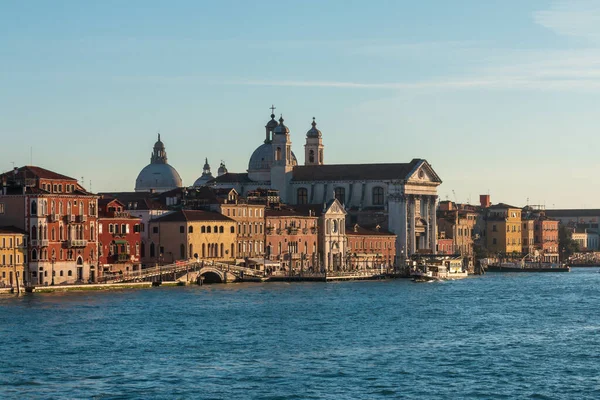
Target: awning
121,242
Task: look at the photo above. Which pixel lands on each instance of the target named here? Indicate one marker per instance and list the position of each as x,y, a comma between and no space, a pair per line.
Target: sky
501,97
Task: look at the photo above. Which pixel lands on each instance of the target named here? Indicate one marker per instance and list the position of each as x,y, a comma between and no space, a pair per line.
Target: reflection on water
497,336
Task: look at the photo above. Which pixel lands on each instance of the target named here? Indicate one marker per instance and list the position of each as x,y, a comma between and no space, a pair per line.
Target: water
500,336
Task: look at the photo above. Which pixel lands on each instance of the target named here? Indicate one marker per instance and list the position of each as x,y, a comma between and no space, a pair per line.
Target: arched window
216,229
190,229
143,249
208,229
221,229
278,154
222,253
232,229
203,250
182,251
378,196
34,254
152,250
34,207
340,194
203,229
191,253
34,233
302,196
232,250
311,156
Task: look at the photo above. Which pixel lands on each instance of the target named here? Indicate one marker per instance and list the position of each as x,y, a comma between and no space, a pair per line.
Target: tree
566,244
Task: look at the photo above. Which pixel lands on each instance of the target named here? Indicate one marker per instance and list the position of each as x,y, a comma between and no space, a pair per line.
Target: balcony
120,214
76,243
43,243
70,218
123,257
53,217
81,218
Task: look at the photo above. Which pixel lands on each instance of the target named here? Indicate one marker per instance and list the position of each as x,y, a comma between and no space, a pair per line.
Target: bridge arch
212,275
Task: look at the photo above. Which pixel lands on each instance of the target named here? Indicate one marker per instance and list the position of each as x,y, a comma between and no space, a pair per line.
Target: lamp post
53,260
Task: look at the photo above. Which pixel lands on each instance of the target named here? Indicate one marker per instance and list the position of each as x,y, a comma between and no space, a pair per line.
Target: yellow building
503,231
13,259
185,234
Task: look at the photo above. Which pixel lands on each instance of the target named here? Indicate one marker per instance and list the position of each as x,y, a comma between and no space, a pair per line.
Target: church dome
272,124
262,158
313,132
206,175
158,176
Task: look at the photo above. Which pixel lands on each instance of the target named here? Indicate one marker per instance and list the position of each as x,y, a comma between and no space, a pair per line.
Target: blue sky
500,97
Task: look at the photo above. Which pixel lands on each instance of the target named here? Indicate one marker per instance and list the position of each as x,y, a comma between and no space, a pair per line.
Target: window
203,229
494,229
182,251
190,229
311,156
340,194
1,208
377,196
208,229
152,250
221,229
302,196
34,208
154,230
182,229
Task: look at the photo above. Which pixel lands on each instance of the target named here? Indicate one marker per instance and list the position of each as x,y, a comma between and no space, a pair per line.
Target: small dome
157,178
281,128
159,144
222,169
313,132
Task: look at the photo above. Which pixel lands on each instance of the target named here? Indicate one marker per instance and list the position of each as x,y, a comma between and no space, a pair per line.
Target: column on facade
412,234
433,223
427,217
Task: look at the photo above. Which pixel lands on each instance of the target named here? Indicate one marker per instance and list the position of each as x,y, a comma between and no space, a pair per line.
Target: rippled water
498,336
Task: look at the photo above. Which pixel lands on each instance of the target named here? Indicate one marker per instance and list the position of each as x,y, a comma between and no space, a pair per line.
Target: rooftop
192,215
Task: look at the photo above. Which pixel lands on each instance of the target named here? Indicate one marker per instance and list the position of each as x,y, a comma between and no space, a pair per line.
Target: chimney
484,200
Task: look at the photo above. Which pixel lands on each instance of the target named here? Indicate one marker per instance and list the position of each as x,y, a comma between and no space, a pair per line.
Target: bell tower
283,161
313,149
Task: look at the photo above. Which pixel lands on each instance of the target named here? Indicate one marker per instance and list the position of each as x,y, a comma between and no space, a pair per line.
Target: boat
438,269
527,267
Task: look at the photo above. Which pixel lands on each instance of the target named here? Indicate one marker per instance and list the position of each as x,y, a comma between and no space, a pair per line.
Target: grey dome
158,178
281,128
313,132
262,158
203,180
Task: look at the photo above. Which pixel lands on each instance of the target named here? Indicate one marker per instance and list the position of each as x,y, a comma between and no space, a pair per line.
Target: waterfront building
370,248
60,218
158,176
250,231
546,238
190,234
401,197
445,245
503,230
119,238
457,222
528,234
13,256
292,239
145,207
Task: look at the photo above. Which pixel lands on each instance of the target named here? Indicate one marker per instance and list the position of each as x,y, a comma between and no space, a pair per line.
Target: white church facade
399,196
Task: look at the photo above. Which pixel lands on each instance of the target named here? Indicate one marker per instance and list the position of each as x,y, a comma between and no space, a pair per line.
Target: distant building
13,256
158,176
206,175
400,197
503,231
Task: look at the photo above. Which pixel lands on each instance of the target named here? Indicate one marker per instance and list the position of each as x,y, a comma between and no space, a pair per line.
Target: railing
122,257
43,243
54,217
76,243
81,218
70,218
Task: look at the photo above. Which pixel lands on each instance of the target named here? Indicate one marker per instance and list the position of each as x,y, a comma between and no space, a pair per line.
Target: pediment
424,173
335,207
